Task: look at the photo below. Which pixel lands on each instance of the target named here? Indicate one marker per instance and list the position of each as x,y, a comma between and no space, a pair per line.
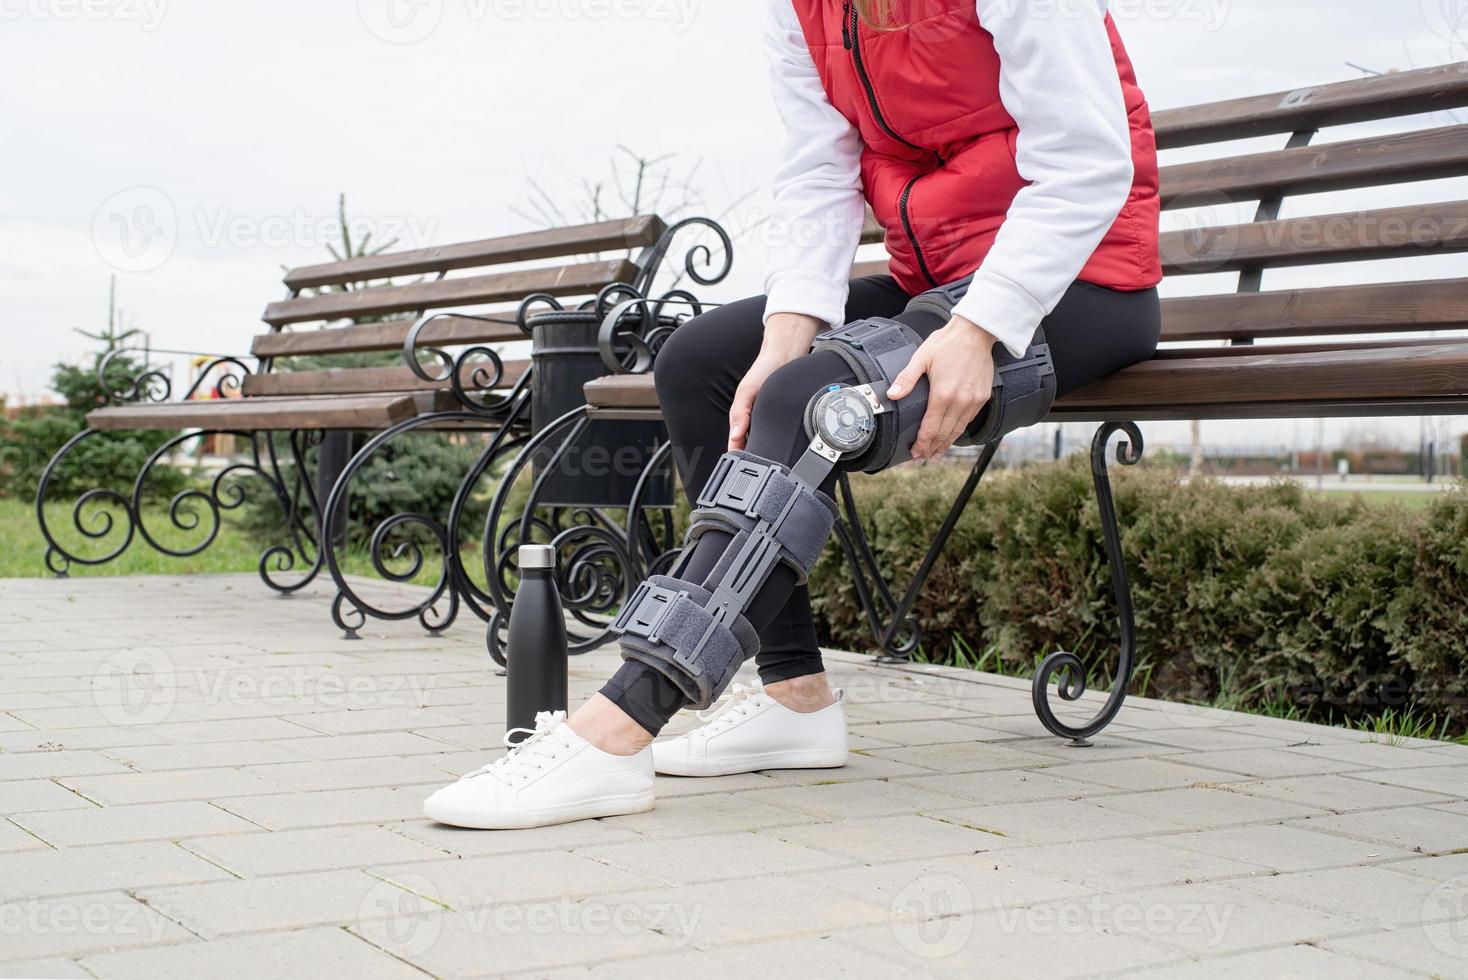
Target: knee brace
696,633
871,432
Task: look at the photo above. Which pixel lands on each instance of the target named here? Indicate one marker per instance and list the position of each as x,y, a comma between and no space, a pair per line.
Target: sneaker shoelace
742,701
523,760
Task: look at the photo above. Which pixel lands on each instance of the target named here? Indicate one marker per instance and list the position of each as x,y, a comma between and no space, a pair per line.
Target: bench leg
332,456
300,554
1066,668
91,516
897,632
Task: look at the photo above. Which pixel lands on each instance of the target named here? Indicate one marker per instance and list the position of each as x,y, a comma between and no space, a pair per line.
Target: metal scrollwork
473,375
651,260
401,537
635,329
596,565
1065,668
91,516
152,385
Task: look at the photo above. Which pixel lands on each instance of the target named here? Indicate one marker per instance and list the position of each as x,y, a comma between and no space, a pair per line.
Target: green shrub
113,460
1335,607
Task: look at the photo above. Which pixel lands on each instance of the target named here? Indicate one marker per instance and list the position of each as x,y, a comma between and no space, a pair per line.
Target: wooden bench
359,306
359,289
1322,367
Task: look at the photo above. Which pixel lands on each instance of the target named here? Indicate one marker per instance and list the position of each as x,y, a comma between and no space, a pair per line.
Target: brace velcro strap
941,300
1024,391
667,626
746,489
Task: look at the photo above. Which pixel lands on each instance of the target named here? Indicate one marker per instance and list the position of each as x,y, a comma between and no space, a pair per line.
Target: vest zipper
851,39
912,235
851,36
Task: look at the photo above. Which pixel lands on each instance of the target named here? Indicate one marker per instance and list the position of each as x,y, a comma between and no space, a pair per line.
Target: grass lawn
1411,500
23,549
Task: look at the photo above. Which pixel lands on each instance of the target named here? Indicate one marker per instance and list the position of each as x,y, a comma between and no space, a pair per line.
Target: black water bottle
536,668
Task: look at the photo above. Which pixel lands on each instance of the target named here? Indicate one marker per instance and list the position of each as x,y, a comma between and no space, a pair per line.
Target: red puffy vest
939,163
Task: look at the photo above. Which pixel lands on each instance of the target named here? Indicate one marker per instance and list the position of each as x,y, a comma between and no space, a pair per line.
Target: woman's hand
959,363
787,336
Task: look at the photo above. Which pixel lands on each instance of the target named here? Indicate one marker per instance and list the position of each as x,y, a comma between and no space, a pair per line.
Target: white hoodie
1057,79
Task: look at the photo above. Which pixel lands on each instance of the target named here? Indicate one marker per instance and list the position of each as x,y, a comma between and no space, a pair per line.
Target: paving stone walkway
198,779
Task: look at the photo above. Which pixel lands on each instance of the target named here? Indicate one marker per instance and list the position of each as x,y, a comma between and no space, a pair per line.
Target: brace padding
746,489
662,627
1024,387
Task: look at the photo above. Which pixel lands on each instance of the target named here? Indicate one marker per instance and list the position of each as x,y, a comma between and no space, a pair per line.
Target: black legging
1092,332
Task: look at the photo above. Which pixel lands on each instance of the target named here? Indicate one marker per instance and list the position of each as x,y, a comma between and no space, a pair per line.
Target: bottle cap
537,556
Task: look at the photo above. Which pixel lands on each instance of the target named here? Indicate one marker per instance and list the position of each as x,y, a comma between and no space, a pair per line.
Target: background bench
296,421
1323,368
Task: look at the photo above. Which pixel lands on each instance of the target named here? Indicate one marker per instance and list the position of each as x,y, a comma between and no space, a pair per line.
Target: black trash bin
602,467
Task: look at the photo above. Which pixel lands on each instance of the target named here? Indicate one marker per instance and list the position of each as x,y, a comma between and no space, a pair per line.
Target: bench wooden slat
386,335
586,277
1340,103
876,267
1255,385
1310,240
355,381
1402,373
601,236
357,412
871,232
1393,307
1398,158
1244,350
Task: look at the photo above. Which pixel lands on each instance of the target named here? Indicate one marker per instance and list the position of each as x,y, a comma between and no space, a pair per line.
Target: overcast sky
231,128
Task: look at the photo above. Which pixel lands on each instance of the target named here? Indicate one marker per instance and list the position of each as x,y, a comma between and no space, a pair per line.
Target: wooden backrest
362,288
1265,179
1304,167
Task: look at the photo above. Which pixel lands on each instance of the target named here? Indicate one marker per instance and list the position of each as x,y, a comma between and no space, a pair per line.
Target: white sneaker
752,731
554,776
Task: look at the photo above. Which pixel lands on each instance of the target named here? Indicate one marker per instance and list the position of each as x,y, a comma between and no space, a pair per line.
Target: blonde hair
877,13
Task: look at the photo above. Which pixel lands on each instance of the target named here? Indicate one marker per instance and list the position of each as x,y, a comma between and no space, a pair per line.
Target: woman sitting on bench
1009,155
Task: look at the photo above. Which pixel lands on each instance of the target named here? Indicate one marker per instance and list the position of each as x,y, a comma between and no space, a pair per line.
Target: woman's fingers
948,415
935,423
908,378
739,414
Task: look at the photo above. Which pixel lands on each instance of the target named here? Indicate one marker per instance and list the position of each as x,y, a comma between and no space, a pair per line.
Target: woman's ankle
609,728
804,694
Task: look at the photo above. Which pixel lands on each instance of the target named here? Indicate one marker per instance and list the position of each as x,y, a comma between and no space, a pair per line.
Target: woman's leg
1093,332
697,372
